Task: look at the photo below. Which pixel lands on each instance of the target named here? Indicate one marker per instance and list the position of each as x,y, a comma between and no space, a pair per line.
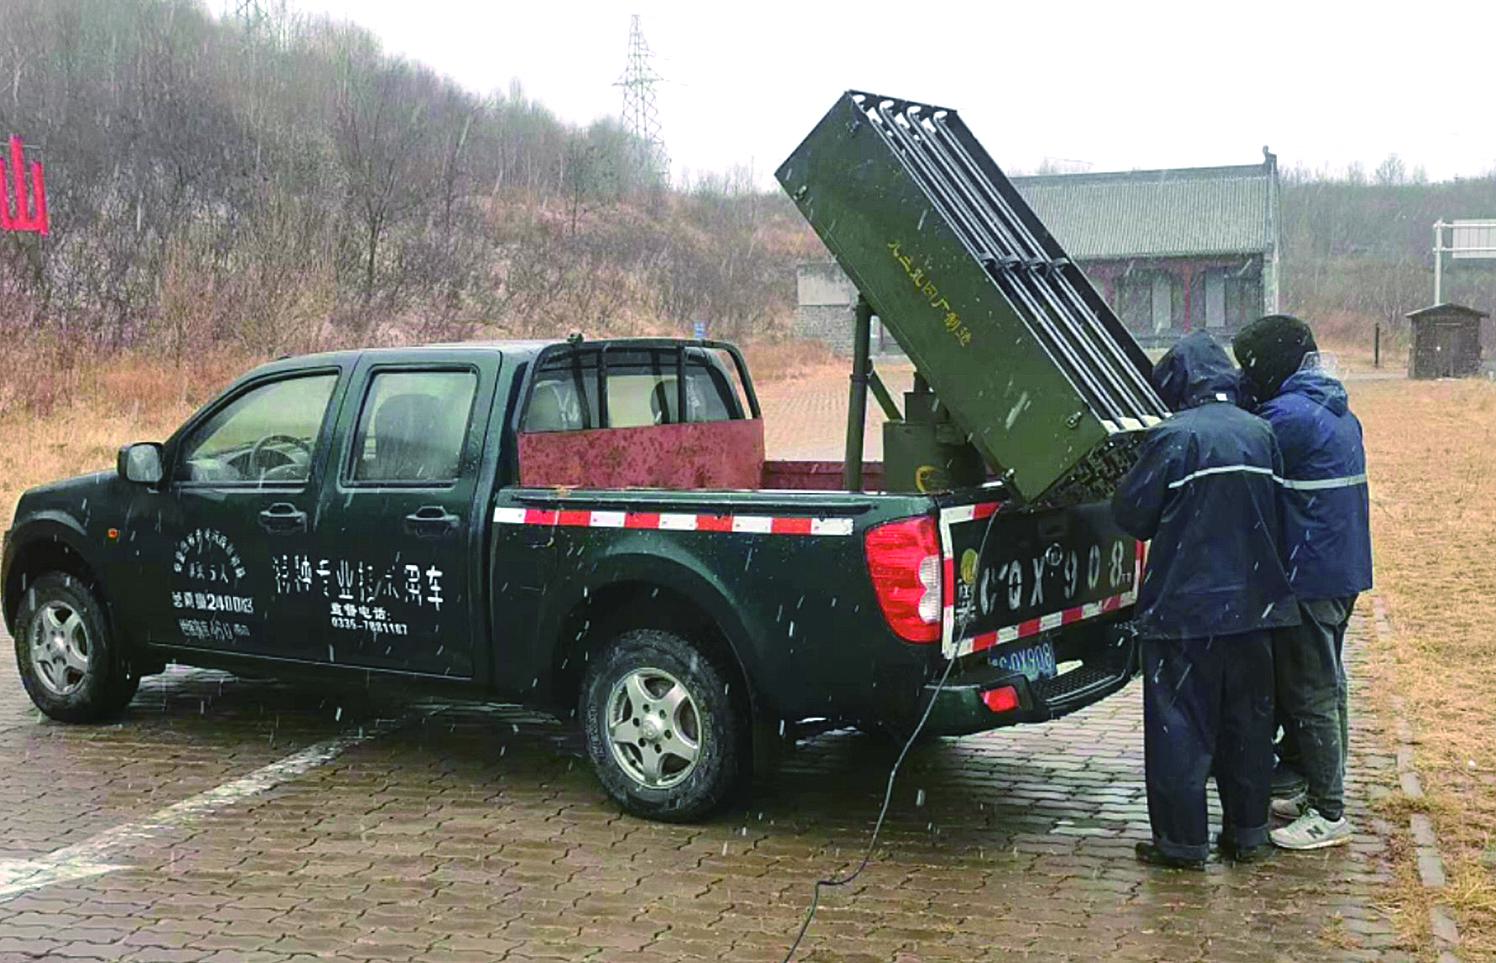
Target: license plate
1035,662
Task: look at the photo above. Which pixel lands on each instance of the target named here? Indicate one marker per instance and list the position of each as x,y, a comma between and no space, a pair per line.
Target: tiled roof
1190,211
1446,310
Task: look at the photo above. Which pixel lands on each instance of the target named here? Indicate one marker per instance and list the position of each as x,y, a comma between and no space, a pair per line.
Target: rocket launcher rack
1031,363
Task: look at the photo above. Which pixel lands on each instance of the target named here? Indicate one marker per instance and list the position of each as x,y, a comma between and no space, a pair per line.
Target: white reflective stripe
1222,470
830,526
961,513
509,516
757,524
1317,484
678,523
607,519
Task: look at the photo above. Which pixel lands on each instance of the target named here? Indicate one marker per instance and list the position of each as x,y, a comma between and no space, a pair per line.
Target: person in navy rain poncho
1204,492
1327,552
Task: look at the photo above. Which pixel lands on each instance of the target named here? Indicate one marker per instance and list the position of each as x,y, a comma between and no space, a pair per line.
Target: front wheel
69,665
661,726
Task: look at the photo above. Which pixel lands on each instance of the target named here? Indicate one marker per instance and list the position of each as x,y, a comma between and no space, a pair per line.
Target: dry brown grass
61,417
1432,453
782,360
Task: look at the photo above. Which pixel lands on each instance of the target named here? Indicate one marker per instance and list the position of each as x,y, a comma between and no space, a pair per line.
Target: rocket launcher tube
1031,363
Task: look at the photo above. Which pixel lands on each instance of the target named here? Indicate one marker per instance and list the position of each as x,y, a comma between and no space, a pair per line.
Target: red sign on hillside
30,216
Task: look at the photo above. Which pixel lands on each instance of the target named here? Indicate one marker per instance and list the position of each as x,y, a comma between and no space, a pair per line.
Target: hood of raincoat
1320,388
1195,371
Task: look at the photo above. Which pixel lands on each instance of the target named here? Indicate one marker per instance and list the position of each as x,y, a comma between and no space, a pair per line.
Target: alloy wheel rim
60,648
654,728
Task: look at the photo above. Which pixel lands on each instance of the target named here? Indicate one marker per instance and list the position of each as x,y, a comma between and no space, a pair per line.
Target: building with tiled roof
1170,250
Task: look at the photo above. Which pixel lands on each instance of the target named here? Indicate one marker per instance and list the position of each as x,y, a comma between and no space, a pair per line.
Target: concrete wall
822,282
827,309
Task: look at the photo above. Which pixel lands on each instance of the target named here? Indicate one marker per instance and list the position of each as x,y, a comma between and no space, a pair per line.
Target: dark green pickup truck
587,527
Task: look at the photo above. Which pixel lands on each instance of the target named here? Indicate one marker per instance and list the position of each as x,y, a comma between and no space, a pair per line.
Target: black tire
657,659
67,690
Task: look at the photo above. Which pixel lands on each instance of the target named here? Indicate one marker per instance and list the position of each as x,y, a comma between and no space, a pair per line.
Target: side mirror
141,463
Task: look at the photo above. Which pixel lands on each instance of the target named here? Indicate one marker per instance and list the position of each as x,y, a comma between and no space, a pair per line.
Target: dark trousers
1208,710
1313,708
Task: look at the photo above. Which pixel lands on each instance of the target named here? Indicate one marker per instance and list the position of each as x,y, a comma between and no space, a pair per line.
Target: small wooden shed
1445,341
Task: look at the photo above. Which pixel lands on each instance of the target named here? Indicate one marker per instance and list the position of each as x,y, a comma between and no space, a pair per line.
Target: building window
1243,299
1135,301
1213,304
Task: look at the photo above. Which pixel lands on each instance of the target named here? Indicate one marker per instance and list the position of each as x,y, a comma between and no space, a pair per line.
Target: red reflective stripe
984,641
1032,627
948,583
650,521
790,526
979,512
715,523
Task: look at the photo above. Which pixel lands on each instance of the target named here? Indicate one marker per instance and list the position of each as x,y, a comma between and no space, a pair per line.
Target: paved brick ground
807,417
470,834
481,835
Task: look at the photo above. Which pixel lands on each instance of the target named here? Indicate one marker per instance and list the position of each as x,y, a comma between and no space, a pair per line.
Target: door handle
283,517
431,521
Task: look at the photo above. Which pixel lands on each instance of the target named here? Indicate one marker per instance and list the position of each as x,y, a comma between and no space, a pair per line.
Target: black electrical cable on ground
893,773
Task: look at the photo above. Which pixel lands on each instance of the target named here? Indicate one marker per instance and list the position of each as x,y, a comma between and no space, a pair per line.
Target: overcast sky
1113,85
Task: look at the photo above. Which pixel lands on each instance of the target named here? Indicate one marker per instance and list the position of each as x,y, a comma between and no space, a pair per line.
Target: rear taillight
1001,700
903,559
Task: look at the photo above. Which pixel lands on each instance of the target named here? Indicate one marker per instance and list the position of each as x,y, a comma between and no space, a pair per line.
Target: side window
266,435
643,389
709,395
412,426
636,399
563,400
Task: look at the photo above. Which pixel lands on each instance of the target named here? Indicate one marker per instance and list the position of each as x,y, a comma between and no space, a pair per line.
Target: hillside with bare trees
286,185
1357,249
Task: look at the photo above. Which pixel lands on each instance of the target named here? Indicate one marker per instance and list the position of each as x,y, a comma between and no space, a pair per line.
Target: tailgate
1037,571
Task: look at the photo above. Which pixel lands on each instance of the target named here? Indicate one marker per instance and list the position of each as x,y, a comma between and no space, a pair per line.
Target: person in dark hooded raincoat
1327,542
1203,491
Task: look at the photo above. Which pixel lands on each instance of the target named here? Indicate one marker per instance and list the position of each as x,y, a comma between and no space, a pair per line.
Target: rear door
1023,573
395,563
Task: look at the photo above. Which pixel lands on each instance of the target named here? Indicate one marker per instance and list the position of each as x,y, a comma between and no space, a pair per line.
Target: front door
240,492
397,550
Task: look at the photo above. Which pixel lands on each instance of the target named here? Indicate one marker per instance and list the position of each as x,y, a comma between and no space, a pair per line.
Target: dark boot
1236,854
1153,856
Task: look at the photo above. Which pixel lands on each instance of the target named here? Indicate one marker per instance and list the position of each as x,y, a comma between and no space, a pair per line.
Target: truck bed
784,573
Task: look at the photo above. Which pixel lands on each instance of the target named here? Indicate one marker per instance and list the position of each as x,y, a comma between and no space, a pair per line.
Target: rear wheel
70,666
662,727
